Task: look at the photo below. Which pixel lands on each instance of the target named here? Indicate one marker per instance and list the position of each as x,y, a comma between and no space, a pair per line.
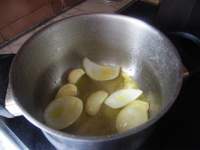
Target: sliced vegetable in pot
122,97
94,102
63,112
100,72
75,75
67,90
103,113
133,115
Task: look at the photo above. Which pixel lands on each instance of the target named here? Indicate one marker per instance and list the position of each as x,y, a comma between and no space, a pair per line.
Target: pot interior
40,66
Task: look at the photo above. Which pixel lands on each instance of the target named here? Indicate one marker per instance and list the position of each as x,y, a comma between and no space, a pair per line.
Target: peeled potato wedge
133,115
99,72
67,90
120,98
75,75
94,102
63,112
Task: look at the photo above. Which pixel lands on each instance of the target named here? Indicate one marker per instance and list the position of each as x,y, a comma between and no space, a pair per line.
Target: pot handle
8,107
195,41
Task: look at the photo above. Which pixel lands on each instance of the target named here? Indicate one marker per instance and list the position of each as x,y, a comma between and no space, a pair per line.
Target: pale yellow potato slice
94,102
128,81
75,75
120,98
67,90
133,115
63,112
100,72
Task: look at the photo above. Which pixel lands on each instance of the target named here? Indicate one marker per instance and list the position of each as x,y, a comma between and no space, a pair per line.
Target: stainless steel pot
112,39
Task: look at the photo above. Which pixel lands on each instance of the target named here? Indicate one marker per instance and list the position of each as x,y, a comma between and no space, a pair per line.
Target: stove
179,129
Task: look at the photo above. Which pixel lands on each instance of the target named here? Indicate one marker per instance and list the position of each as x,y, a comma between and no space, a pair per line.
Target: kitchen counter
86,7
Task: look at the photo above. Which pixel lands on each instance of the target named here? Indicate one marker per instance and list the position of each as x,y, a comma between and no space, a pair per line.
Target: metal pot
106,38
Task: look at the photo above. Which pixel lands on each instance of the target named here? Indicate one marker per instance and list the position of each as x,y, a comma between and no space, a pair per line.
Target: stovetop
179,129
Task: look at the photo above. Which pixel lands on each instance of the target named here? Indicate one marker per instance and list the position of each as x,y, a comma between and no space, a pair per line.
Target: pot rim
115,136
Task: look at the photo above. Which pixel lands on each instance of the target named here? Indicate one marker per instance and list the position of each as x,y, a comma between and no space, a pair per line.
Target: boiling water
104,122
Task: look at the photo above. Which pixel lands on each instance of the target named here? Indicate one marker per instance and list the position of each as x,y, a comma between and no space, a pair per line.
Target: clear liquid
104,122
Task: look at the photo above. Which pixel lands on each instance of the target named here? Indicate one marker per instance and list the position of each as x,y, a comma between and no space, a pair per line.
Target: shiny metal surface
11,105
39,68
126,143
8,139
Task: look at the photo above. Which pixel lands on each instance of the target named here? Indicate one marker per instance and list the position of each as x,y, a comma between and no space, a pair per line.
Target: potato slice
133,115
122,97
75,75
94,102
100,72
63,112
129,82
67,90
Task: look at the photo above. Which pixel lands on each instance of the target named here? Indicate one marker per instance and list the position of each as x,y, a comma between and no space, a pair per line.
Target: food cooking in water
98,100
94,102
129,83
75,75
122,97
100,72
133,115
67,90
63,112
